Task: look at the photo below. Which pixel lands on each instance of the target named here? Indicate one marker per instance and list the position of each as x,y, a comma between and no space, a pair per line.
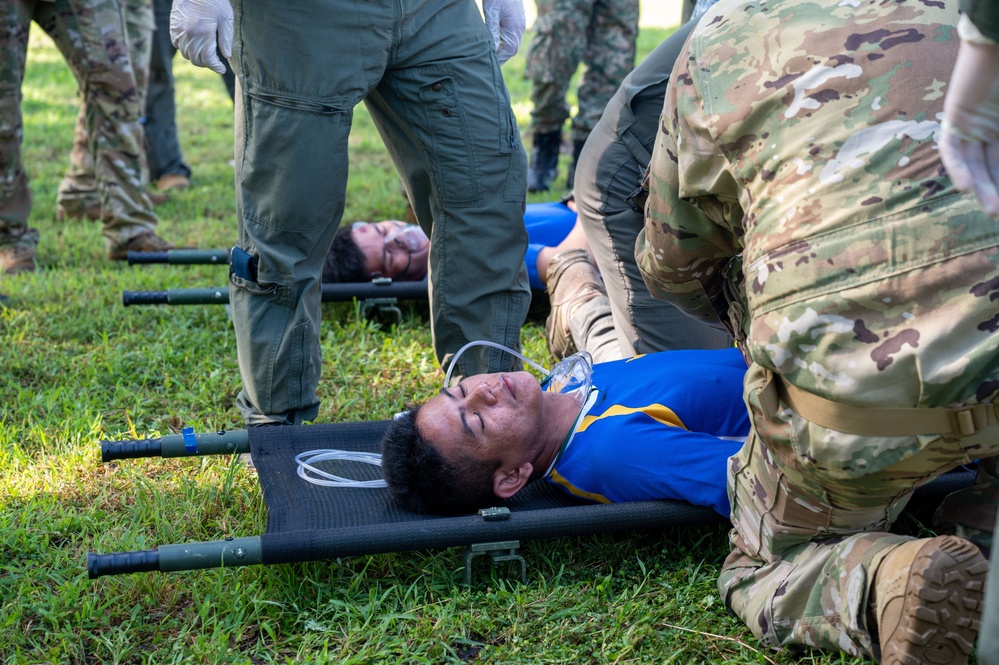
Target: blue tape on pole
190,441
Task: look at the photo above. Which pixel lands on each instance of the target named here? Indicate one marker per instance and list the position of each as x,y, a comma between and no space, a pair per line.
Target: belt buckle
963,421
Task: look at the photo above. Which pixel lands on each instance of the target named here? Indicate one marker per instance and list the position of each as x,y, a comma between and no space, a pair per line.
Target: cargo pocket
454,162
303,371
515,190
510,146
295,166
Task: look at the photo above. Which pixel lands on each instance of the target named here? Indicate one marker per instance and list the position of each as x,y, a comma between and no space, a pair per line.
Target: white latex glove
969,138
200,29
506,22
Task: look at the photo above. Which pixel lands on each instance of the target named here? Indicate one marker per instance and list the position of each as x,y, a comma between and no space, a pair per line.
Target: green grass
78,367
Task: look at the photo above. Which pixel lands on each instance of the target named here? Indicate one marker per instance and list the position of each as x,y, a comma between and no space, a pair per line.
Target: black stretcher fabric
308,522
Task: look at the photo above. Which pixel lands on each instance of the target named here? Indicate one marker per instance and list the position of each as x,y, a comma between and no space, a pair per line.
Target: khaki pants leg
592,328
988,636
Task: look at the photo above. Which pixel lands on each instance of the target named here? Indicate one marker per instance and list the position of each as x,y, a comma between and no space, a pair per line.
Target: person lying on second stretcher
656,426
399,250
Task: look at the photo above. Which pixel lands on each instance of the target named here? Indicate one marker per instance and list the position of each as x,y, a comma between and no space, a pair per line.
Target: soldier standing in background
602,36
78,193
91,36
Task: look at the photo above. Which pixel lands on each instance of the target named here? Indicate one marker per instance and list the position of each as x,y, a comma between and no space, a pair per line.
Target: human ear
507,482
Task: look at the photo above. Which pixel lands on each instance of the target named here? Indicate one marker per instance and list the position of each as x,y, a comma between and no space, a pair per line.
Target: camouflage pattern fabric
798,153
602,36
78,190
91,36
15,196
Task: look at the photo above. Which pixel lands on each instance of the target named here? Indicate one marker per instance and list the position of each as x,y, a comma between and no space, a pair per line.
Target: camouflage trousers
90,34
78,190
602,36
807,539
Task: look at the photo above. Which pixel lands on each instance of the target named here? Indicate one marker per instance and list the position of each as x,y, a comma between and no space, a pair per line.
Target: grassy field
78,367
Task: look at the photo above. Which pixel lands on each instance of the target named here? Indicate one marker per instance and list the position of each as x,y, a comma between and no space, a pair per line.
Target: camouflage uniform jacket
802,136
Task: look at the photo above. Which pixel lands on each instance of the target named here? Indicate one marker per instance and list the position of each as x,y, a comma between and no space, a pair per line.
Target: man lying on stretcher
390,248
655,426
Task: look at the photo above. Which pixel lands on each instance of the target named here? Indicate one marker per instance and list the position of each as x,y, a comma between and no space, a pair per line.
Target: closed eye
482,423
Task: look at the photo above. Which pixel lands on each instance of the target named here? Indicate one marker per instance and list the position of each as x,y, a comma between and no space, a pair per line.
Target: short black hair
420,480
344,262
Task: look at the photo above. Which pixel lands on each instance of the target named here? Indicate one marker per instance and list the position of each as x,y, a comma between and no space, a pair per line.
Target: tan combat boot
170,181
928,596
144,242
15,259
572,281
90,212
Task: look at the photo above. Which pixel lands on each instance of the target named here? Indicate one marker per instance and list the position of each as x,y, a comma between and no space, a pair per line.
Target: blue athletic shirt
547,225
650,429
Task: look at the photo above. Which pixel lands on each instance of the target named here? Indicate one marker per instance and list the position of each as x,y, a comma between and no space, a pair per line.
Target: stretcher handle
135,258
144,298
186,444
133,449
228,553
205,296
180,257
120,563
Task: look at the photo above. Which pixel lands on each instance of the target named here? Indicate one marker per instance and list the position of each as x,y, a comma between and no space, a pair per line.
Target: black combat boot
577,147
544,161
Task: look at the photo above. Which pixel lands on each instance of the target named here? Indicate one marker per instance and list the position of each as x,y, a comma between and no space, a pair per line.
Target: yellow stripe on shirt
575,491
657,412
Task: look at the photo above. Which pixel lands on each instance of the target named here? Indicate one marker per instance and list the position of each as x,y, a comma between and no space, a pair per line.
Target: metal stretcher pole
180,257
187,444
227,553
204,296
190,556
341,292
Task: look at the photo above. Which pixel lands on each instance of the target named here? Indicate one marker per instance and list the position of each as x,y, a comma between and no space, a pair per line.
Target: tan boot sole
942,606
